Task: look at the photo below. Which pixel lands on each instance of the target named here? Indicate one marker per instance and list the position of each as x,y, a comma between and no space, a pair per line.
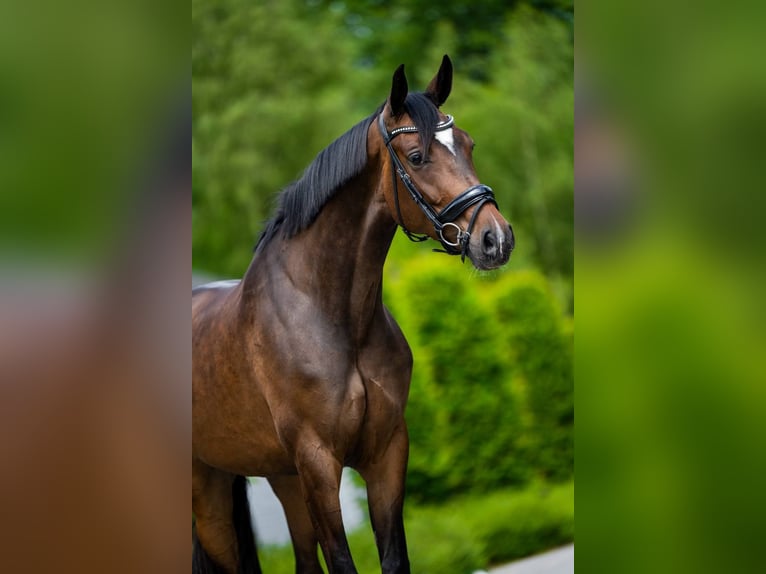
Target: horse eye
415,158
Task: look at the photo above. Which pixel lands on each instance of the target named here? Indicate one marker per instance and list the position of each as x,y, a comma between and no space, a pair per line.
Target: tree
268,94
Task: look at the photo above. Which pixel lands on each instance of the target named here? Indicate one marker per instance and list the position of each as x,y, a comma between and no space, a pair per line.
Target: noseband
475,195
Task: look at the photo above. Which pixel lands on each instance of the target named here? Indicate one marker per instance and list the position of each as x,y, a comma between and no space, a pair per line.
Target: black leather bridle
477,195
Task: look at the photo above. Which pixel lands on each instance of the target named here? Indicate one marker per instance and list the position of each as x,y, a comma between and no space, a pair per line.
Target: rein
475,195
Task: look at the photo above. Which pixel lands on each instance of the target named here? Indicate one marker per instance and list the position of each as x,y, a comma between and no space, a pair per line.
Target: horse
299,369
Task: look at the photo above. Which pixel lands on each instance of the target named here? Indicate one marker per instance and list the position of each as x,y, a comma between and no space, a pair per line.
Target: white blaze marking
445,138
500,234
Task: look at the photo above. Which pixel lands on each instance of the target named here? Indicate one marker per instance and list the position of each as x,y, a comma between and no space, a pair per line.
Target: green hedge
491,403
538,338
463,417
466,534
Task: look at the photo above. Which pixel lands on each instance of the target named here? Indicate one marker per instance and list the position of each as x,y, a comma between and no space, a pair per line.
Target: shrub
512,525
542,353
491,402
493,528
463,420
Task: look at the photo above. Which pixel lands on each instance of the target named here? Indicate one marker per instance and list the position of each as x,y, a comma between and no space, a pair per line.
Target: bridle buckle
461,235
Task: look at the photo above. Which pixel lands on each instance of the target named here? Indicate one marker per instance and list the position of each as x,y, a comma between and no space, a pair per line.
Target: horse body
300,370
332,388
319,312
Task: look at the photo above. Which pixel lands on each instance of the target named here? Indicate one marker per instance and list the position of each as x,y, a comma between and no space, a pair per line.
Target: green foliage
522,121
466,534
388,33
456,551
510,526
542,352
273,83
491,403
464,419
268,93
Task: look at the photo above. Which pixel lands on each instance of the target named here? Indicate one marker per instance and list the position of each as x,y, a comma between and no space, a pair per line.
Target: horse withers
299,369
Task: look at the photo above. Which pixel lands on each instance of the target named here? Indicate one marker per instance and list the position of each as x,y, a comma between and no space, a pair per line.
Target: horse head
434,190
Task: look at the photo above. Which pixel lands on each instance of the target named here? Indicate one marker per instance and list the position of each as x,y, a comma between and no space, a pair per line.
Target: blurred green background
491,409
671,362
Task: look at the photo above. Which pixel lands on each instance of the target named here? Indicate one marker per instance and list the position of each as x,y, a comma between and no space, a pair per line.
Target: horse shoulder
385,362
385,367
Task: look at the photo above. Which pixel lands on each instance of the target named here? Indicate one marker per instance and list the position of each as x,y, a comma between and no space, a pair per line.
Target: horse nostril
489,242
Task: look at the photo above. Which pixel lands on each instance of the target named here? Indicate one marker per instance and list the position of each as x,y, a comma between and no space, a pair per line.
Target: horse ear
398,91
440,87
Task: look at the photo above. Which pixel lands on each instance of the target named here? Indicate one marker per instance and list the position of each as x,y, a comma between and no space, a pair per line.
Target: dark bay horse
299,369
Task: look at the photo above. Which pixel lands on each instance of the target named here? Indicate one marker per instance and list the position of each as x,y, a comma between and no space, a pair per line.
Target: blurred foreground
95,211
669,127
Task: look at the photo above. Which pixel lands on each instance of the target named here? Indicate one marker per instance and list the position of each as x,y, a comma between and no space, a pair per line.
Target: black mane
300,202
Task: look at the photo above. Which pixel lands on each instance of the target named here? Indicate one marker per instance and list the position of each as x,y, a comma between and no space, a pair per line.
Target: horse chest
384,372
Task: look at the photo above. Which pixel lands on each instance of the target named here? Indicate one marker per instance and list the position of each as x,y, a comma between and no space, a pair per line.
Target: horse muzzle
490,245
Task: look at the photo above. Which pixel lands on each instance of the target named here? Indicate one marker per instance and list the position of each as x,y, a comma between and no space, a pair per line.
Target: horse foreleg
319,473
225,542
385,476
288,490
212,504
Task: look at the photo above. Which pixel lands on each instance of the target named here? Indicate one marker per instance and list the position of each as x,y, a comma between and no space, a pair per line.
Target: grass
464,535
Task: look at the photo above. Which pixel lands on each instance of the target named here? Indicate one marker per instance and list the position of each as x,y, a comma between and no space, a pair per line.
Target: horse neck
338,260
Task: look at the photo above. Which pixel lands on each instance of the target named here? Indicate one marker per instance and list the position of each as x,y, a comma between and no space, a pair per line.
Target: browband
388,136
